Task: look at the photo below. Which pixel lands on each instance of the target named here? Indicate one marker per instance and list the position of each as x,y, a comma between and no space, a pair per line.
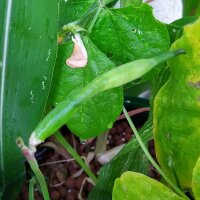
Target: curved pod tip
79,57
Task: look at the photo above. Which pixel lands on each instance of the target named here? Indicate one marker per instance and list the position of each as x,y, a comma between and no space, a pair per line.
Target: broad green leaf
196,180
130,158
95,116
74,10
132,185
177,111
130,33
28,41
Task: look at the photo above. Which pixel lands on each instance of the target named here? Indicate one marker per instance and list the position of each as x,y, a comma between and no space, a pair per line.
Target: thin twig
59,149
56,162
74,142
86,179
134,112
57,185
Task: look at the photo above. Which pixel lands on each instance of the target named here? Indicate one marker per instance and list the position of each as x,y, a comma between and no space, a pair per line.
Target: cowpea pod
111,79
177,111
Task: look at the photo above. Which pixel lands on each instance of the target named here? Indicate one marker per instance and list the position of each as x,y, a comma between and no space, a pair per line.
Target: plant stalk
75,155
31,188
95,18
176,189
101,143
29,155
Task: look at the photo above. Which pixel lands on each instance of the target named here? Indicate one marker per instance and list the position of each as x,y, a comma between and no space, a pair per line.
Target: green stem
176,189
31,188
29,155
35,168
95,18
101,143
74,154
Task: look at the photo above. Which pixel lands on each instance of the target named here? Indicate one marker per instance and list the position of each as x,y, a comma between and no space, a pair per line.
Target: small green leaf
132,185
196,180
97,114
130,33
130,158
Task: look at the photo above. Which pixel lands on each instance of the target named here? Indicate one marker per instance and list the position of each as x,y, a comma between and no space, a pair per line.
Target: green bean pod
111,79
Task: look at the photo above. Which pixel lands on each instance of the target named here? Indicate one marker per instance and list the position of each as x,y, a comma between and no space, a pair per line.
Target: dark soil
61,171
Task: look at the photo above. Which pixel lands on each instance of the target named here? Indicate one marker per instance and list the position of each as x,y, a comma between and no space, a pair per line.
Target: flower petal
79,57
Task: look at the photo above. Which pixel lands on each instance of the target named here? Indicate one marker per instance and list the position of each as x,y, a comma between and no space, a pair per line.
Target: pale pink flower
79,57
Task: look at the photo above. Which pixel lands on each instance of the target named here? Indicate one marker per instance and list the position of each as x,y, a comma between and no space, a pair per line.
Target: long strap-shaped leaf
27,55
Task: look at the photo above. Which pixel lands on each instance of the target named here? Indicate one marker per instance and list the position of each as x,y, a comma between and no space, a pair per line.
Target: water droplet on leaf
82,141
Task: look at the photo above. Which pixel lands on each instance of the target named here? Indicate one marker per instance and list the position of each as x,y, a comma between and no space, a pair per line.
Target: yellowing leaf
196,180
136,186
177,111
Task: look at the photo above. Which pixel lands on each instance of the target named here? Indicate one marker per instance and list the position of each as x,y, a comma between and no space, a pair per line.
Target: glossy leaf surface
132,185
177,111
28,43
130,33
96,115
